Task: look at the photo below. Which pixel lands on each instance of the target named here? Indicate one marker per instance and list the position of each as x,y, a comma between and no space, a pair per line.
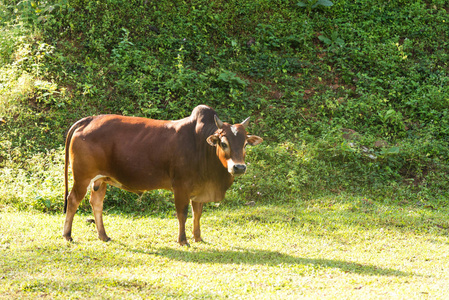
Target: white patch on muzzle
231,165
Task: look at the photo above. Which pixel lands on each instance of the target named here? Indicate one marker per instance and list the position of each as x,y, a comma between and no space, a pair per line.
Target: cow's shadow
271,258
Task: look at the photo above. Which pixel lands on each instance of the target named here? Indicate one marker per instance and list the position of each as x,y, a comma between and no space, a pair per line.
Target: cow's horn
218,122
245,123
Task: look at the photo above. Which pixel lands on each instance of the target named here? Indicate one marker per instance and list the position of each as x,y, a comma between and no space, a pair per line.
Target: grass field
335,248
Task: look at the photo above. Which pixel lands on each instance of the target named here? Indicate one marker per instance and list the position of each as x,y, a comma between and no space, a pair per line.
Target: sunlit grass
266,252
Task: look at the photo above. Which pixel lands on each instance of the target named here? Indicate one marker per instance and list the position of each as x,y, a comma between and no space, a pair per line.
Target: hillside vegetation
351,99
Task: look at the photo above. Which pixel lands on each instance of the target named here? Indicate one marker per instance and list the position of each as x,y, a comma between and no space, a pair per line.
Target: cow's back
133,151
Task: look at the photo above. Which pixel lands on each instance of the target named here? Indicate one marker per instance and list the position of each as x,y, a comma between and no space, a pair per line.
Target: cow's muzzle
239,169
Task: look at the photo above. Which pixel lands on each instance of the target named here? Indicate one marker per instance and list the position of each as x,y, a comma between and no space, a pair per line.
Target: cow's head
230,141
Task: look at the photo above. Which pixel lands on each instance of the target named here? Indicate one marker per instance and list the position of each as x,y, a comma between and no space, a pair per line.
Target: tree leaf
325,40
390,151
339,42
324,3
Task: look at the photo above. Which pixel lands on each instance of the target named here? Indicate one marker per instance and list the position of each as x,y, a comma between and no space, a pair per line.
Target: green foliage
311,4
350,97
332,41
36,184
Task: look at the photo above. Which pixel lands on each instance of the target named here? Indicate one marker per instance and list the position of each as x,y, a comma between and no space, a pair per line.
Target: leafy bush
349,97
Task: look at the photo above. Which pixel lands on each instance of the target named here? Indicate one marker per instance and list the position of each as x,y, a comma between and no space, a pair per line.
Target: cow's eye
224,145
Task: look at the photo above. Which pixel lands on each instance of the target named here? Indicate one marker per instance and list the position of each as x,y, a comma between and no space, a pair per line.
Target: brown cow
196,157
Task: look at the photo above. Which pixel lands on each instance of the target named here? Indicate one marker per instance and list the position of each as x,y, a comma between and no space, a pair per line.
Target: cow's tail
68,141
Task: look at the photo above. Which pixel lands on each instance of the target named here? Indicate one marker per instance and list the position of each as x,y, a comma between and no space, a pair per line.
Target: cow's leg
96,201
182,210
74,199
197,209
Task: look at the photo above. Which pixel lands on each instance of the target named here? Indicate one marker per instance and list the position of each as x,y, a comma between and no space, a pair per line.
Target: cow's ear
254,140
213,140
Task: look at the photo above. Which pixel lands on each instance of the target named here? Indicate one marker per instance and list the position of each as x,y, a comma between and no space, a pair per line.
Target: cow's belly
136,185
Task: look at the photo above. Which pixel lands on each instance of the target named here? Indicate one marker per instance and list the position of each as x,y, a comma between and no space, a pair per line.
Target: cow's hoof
68,238
105,239
184,244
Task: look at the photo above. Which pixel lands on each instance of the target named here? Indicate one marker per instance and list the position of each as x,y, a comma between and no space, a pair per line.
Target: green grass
341,247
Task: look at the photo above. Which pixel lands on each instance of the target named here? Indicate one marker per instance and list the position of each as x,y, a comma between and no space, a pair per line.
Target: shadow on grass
272,258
